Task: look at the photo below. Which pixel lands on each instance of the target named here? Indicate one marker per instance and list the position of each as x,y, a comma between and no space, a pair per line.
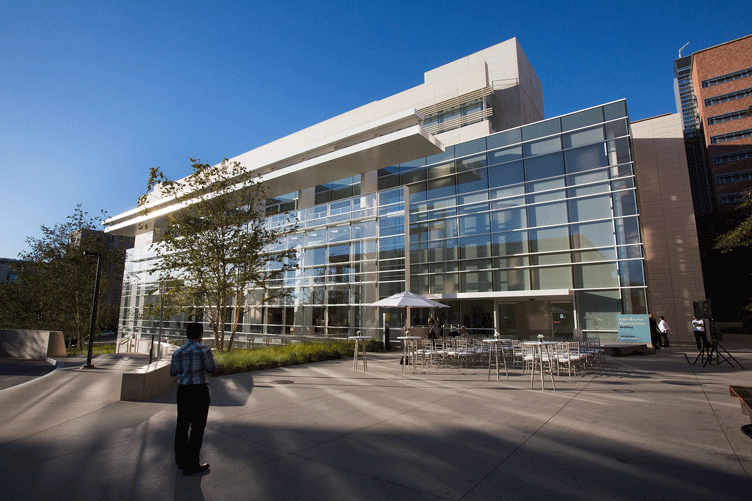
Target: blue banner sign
633,328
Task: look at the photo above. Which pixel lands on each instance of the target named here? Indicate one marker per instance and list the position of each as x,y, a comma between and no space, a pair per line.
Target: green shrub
254,359
97,349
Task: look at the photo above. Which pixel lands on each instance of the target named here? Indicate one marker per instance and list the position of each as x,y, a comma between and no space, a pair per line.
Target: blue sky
92,94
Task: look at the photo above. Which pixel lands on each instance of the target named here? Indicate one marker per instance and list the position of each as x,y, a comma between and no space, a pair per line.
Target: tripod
712,353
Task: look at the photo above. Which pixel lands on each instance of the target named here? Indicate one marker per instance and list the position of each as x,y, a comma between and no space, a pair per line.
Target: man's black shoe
193,471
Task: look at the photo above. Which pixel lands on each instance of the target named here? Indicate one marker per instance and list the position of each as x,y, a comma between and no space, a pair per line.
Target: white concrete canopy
389,140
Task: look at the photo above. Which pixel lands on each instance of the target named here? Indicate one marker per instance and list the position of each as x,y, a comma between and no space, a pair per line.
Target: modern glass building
457,190
530,230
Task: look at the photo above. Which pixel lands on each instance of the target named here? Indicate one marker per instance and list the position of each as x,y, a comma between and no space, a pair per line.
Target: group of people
436,329
659,333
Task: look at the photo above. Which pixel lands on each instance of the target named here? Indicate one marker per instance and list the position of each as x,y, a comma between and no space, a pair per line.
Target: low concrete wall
33,344
146,381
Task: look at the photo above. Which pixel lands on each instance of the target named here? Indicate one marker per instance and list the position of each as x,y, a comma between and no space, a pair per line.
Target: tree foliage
738,242
55,285
741,234
214,249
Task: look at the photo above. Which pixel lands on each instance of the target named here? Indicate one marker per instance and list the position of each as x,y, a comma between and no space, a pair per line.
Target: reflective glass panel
542,147
475,247
544,166
338,233
582,119
585,209
504,138
512,280
555,277
547,214
598,309
631,273
586,158
598,234
474,224
504,244
627,231
552,258
503,175
597,275
505,155
541,129
316,237
472,181
549,239
440,170
447,283
510,219
439,188
625,203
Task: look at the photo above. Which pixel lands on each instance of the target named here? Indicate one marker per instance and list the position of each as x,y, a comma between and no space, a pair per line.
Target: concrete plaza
642,427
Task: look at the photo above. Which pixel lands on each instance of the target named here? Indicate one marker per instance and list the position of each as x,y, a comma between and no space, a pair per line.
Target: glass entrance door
507,319
527,318
562,320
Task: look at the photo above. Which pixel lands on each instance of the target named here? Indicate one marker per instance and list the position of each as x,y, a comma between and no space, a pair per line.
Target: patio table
538,347
405,351
494,348
355,353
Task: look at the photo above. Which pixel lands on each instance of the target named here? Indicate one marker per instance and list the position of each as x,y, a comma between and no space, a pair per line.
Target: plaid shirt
192,363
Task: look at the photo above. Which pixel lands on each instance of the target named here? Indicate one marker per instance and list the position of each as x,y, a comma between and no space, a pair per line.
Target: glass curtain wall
546,206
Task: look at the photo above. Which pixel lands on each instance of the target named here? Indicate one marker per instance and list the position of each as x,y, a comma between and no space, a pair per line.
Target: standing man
664,330
655,336
192,363
698,327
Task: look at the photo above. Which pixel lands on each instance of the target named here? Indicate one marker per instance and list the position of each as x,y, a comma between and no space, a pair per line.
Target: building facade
714,95
684,93
456,189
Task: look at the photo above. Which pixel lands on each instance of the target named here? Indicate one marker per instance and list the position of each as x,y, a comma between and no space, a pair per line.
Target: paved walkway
14,371
643,427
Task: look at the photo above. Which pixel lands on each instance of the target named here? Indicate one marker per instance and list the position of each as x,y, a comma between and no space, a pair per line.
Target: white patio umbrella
408,300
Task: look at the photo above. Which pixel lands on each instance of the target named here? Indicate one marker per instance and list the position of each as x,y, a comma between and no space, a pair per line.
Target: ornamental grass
270,357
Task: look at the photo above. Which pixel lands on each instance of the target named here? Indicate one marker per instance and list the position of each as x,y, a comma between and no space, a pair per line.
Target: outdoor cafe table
405,353
355,353
494,348
538,347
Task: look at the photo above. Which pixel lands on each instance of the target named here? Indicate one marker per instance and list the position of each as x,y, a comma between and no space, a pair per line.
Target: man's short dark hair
194,330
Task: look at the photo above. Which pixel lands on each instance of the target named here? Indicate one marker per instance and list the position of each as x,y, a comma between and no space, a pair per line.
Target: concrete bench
147,381
744,394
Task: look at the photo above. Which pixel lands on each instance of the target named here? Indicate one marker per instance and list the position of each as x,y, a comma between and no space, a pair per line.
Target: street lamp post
89,365
161,321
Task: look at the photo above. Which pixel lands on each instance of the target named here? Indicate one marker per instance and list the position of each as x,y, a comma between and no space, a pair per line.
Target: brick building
722,82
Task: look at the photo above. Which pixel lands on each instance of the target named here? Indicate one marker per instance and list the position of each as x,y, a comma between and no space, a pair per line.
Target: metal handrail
126,339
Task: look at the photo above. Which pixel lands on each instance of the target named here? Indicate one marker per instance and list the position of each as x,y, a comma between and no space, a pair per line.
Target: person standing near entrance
698,327
192,363
655,336
664,330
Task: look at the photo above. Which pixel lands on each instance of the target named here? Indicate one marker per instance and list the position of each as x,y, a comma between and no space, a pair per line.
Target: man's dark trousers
193,409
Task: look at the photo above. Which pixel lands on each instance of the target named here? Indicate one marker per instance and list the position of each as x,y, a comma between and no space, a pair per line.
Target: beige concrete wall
146,381
33,344
674,273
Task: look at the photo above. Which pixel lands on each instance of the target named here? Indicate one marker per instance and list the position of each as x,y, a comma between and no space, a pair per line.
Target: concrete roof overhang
375,145
551,294
383,151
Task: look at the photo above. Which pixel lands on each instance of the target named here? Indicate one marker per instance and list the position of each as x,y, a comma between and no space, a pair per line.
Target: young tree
55,285
214,248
